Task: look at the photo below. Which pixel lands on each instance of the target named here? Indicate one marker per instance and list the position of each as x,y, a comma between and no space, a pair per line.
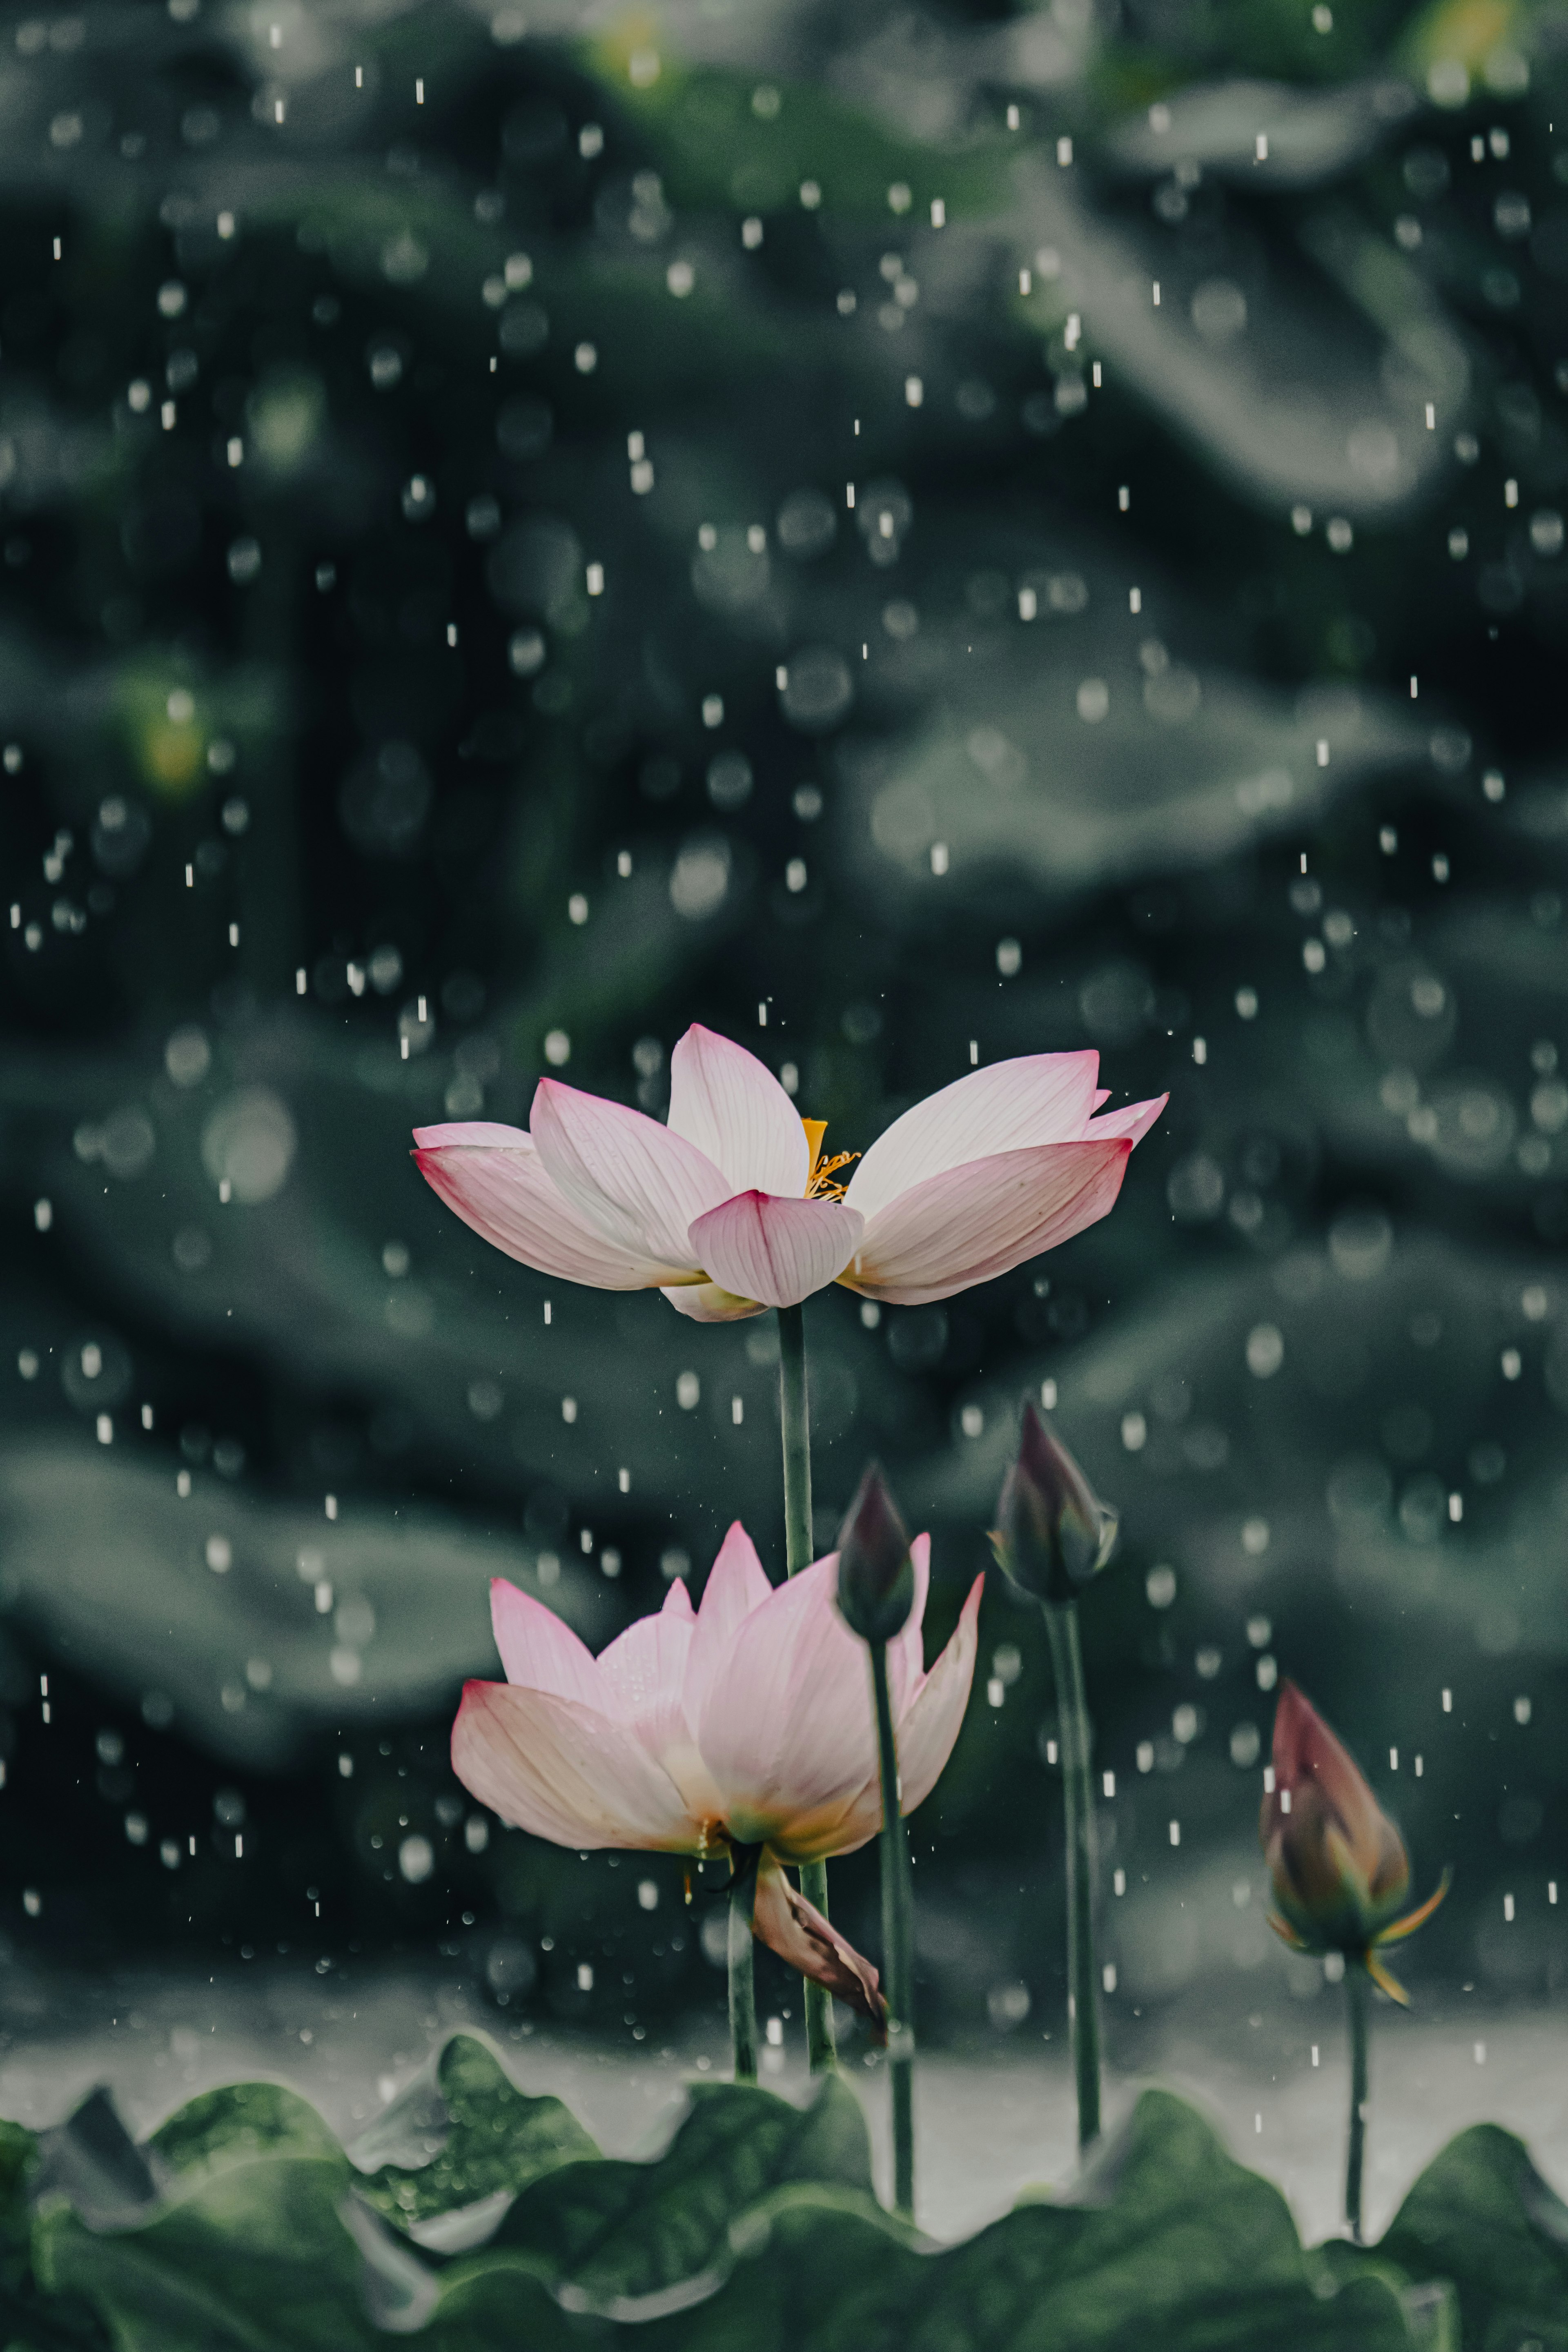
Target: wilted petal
1037,1098
1134,1121
734,1110
633,1180
707,1302
643,1672
537,1649
788,1732
760,1246
982,1219
928,1730
788,1924
737,1583
566,1772
495,1179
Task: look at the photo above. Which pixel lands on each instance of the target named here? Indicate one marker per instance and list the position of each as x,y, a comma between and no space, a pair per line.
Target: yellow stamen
819,1183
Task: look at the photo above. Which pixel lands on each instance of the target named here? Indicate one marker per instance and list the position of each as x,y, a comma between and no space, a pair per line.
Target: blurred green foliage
755,2223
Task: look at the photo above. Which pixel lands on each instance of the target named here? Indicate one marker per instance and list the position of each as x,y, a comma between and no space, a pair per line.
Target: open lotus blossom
732,1208
746,1723
1338,1863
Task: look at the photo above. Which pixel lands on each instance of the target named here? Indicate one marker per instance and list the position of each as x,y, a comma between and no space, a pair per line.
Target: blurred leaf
613,2233
485,2140
1482,2215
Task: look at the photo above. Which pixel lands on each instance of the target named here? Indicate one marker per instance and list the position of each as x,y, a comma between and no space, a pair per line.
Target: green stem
795,1424
795,1421
743,1987
1083,1989
897,1943
1355,1989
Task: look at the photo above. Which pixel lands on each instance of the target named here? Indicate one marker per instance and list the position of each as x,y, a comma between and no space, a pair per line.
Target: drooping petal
538,1652
643,1671
981,1220
497,1182
706,1302
928,1730
1037,1098
788,1924
623,1171
1133,1122
566,1772
788,1732
734,1110
737,1583
777,1251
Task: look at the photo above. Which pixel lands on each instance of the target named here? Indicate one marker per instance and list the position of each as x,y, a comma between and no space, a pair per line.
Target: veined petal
788,1924
537,1649
642,1673
737,1583
789,1731
928,1730
497,1182
981,1220
633,1180
566,1772
1133,1122
708,1302
1037,1098
734,1110
760,1246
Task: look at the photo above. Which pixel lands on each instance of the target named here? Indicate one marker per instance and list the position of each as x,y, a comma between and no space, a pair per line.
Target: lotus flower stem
1083,1990
1355,1991
795,1421
743,1985
795,1424
898,1942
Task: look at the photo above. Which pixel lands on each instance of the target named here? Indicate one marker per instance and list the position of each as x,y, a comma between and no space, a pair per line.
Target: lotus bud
876,1574
1339,1865
1052,1533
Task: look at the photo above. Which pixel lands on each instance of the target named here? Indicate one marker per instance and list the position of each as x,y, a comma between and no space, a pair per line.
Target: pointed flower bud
1338,1863
1052,1532
876,1574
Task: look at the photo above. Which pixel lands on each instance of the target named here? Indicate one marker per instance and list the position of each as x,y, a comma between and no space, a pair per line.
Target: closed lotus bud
1052,1532
1339,1865
876,1574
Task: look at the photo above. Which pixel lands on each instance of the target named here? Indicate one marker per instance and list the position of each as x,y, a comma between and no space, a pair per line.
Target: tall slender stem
1083,1989
897,1943
1355,1991
742,1987
794,1423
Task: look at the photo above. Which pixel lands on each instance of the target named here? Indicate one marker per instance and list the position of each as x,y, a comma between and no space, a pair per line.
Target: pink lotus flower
731,1208
747,1722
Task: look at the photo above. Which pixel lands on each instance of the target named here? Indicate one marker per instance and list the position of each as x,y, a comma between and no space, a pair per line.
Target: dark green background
243,672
